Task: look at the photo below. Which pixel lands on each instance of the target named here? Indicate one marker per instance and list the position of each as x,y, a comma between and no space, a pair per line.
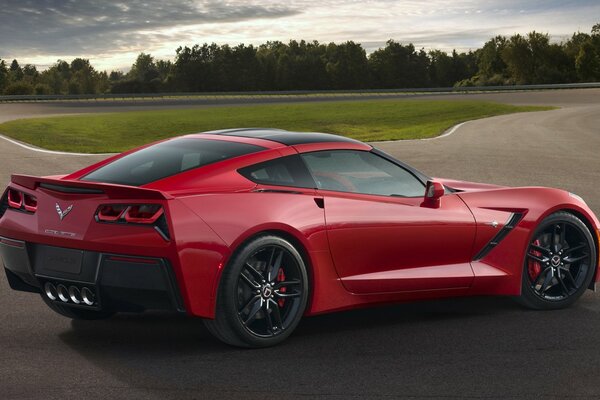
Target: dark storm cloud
88,26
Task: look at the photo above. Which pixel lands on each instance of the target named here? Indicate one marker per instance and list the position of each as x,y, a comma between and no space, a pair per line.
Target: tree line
303,65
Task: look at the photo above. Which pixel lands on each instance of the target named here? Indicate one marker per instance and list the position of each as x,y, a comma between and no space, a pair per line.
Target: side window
283,171
361,172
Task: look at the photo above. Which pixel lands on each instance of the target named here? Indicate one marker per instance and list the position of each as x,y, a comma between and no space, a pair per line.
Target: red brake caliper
281,278
534,266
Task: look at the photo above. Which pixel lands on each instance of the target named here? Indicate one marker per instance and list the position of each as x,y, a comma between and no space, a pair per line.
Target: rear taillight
30,203
18,200
137,214
15,198
110,212
143,214
133,214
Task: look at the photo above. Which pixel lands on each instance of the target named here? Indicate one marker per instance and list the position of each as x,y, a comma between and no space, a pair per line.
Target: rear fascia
23,234
194,252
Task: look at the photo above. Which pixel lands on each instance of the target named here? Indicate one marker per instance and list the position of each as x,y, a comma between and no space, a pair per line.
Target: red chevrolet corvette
251,229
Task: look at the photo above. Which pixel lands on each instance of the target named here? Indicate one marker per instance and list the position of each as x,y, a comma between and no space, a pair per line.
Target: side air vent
512,222
70,189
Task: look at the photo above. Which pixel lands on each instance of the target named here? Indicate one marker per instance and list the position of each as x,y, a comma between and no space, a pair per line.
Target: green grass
364,120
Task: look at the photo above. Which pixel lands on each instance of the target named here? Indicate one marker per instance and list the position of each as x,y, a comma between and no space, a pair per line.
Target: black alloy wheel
263,294
269,291
559,263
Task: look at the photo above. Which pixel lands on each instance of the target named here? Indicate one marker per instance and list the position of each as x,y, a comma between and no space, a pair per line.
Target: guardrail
142,96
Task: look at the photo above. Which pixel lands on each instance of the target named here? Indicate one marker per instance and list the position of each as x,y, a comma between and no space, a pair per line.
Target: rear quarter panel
238,217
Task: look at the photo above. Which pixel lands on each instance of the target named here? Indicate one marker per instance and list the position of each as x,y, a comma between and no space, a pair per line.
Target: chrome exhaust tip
50,291
88,296
75,294
63,293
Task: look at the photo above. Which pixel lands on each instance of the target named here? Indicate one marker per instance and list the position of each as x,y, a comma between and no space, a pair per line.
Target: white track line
61,153
445,134
448,132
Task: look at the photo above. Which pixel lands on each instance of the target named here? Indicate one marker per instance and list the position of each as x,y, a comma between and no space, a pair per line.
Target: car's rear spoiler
81,187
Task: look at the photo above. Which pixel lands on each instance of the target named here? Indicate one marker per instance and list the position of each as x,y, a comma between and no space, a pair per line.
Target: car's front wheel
262,295
559,263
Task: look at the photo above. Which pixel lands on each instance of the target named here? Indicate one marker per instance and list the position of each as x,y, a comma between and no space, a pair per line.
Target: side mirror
433,193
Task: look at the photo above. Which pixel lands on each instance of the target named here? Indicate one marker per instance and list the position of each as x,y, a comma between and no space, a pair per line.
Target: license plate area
64,263
56,260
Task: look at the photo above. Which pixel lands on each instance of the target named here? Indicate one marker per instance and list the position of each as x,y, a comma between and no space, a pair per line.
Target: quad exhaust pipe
75,295
50,291
88,296
71,294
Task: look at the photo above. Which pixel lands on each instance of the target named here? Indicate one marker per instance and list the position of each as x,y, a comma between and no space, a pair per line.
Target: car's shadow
158,331
422,349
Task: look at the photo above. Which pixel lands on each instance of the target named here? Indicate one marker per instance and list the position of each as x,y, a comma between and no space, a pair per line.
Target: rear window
167,159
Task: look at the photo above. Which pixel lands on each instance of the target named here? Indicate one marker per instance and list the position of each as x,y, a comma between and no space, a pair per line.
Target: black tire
262,295
76,313
559,263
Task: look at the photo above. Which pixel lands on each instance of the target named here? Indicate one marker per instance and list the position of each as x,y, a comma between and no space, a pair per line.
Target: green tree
4,76
57,77
347,65
30,73
143,69
42,88
19,88
116,76
398,66
16,73
490,60
83,77
587,62
165,73
528,58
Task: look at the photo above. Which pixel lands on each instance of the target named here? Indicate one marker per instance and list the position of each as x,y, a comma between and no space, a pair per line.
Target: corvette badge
62,214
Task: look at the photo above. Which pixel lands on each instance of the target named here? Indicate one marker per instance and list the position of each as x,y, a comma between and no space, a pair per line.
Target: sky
112,33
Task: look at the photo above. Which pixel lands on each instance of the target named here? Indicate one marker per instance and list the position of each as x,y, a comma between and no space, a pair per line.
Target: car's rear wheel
76,313
559,263
262,295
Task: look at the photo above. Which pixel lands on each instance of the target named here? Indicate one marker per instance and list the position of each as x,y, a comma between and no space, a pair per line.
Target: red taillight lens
143,214
30,203
110,213
15,198
133,214
138,214
21,201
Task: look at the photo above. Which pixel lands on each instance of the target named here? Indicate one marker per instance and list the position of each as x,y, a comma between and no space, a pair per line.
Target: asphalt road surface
459,348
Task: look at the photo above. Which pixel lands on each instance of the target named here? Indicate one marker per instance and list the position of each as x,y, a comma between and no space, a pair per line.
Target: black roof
282,136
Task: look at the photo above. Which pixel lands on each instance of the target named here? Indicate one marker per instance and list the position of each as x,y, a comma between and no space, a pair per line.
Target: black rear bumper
118,282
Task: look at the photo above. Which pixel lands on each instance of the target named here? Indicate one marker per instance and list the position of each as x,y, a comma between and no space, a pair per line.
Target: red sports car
251,229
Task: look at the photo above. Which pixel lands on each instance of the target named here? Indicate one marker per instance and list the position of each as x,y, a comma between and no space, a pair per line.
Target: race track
460,348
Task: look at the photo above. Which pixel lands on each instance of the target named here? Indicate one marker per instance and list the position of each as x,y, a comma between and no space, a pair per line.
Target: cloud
89,26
